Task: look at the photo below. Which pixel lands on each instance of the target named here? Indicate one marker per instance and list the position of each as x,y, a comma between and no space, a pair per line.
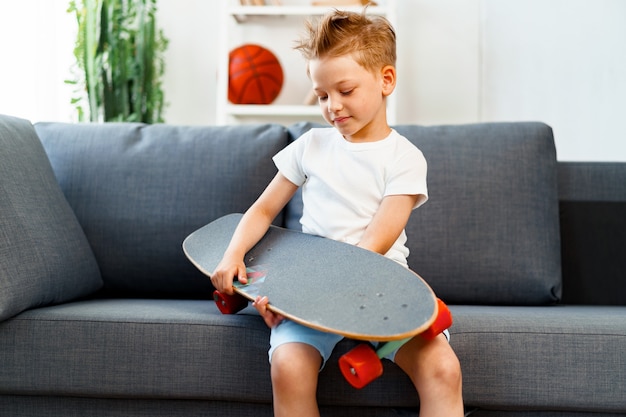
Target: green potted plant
119,53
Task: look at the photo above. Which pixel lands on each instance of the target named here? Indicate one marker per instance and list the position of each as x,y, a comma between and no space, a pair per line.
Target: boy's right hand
226,272
271,319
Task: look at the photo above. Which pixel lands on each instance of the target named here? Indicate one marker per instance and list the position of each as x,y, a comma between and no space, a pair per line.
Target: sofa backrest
489,233
593,232
139,190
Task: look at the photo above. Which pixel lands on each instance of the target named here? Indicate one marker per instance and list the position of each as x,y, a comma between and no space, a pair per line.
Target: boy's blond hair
370,40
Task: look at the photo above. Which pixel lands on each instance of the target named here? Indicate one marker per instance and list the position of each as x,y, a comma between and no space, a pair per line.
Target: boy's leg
295,370
436,373
297,354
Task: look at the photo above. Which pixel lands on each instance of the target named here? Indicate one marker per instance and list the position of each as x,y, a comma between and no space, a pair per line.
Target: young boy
360,180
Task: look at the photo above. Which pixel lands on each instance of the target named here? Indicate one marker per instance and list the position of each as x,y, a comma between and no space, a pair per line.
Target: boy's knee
447,369
293,362
431,362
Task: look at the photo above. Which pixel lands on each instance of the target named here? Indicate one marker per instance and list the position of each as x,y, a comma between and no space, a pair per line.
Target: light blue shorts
288,331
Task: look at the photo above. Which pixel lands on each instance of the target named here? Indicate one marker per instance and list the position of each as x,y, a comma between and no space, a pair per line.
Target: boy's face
352,98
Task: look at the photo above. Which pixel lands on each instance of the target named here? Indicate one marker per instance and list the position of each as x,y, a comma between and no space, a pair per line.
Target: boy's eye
346,93
322,98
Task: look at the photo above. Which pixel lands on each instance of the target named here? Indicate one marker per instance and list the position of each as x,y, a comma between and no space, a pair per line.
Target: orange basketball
254,75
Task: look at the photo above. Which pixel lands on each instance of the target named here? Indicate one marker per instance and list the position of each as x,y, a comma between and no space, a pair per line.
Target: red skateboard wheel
360,366
441,323
229,304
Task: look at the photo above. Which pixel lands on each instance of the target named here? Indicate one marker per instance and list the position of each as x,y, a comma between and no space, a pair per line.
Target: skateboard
329,286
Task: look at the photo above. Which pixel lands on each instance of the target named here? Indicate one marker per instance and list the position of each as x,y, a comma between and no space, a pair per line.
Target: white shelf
272,110
227,112
297,10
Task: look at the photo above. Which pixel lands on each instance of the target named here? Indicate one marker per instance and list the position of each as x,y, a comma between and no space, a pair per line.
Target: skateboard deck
324,284
330,286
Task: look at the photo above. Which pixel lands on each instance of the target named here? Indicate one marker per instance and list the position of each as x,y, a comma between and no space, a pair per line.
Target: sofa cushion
44,255
558,358
568,358
139,190
489,233
163,349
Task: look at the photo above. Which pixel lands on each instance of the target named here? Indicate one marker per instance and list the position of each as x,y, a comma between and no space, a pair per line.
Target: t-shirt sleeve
289,160
408,175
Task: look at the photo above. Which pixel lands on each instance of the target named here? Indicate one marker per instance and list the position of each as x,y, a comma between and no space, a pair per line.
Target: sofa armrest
592,202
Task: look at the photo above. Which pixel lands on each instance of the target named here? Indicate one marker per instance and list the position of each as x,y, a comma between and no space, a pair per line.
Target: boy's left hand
271,319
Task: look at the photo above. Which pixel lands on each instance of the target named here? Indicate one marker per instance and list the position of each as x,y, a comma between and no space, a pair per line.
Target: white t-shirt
343,183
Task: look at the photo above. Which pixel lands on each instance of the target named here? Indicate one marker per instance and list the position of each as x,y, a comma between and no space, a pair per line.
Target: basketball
254,75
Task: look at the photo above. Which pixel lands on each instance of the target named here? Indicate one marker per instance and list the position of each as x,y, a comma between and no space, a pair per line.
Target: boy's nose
334,104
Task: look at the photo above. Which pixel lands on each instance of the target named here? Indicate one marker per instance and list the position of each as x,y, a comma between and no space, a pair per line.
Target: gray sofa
102,315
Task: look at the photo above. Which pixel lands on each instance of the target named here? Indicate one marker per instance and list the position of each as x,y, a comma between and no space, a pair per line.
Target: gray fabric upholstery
177,349
44,255
539,413
139,190
592,181
544,358
131,348
593,222
489,232
98,407
38,406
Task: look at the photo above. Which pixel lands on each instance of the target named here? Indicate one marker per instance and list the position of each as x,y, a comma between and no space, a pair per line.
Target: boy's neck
370,134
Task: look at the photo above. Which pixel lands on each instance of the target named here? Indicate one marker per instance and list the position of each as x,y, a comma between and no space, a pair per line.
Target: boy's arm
252,227
388,223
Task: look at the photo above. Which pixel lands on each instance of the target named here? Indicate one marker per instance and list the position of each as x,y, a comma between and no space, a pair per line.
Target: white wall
192,27
460,61
36,52
438,61
562,62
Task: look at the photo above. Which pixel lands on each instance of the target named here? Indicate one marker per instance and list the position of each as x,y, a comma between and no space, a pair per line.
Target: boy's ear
388,77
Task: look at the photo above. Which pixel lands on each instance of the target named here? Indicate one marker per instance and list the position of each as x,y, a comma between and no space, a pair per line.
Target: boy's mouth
340,120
